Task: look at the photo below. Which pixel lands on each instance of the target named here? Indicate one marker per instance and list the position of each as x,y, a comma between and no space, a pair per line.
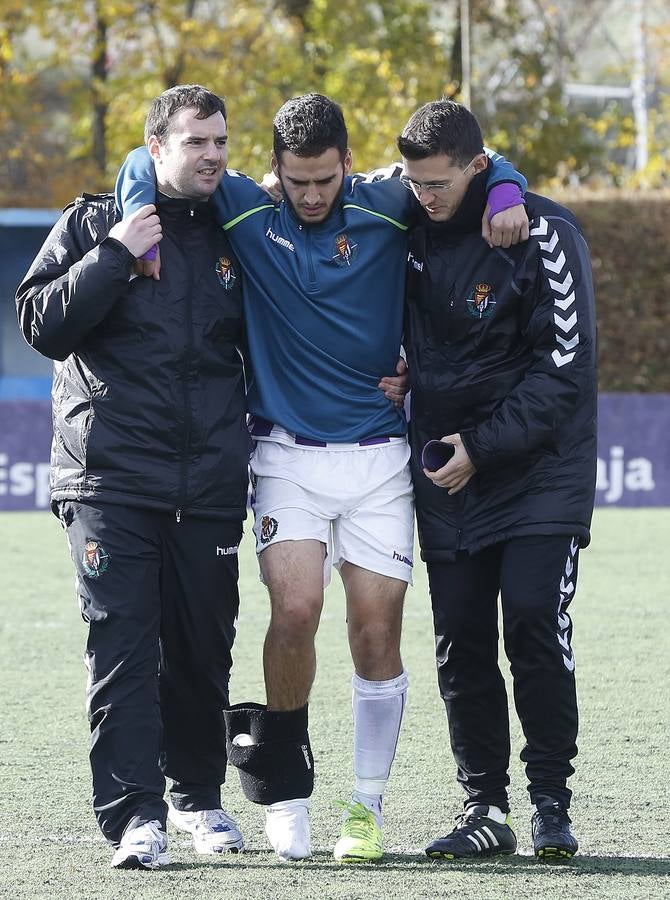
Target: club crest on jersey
345,251
269,528
226,273
481,301
95,559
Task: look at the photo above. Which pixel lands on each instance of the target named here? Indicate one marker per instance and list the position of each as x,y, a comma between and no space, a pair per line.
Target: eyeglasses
431,187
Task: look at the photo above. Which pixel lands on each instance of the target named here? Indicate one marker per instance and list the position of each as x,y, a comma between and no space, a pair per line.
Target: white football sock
287,828
378,708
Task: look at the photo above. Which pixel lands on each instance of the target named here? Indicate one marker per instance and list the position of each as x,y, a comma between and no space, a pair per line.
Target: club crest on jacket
481,301
225,273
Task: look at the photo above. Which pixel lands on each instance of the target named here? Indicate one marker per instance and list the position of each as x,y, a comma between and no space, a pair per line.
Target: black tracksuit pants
161,602
536,578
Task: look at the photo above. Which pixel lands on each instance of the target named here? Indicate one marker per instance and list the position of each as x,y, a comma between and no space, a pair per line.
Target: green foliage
256,54
628,240
378,64
523,54
77,77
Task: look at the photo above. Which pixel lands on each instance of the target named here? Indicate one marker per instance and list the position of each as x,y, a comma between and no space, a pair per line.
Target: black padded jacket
502,348
148,394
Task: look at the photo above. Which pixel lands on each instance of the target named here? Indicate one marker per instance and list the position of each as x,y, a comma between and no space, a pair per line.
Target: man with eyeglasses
502,362
324,312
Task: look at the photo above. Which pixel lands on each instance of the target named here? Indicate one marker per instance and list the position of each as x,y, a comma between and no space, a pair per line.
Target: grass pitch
49,843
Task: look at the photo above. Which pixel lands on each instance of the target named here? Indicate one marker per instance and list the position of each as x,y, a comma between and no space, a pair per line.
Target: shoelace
360,822
463,819
149,833
553,815
214,820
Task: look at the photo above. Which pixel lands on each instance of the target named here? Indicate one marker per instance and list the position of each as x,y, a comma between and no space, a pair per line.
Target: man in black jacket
149,478
502,360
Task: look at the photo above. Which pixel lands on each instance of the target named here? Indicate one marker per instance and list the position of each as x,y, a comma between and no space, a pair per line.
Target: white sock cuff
289,804
370,790
497,815
390,688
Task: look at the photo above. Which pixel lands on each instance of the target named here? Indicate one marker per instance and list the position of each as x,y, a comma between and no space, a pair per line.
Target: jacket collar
178,209
468,216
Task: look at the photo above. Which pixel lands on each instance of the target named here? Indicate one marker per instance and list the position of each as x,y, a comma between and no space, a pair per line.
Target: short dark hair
308,126
442,127
182,96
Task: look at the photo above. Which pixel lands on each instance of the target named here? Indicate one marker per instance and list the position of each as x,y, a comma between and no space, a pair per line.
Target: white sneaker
213,830
287,827
144,847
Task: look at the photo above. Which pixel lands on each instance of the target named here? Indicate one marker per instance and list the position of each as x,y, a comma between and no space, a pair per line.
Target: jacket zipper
459,519
183,475
311,273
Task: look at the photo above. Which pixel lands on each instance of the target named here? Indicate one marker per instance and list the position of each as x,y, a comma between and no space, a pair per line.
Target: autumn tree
77,77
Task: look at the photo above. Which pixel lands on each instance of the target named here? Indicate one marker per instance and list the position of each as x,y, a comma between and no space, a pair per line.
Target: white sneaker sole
130,860
209,849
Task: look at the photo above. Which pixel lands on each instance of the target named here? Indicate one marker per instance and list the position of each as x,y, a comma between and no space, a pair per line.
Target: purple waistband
368,442
259,427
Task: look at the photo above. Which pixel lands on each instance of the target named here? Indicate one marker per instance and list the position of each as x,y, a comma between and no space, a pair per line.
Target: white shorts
357,501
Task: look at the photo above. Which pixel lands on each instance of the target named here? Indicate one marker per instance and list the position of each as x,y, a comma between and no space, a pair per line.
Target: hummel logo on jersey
282,241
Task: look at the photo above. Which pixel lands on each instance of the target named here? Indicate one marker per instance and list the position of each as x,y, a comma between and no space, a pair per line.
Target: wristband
503,196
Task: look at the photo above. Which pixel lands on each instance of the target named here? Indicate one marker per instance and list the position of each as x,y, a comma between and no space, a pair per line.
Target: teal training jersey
323,303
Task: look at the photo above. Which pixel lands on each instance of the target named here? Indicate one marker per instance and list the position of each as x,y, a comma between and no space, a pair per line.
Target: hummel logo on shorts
227,551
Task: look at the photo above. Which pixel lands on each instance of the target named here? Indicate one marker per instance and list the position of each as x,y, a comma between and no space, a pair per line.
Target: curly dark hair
308,126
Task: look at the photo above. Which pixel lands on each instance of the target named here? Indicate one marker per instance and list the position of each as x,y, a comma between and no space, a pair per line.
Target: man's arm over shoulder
561,332
502,171
74,281
136,187
505,221
136,182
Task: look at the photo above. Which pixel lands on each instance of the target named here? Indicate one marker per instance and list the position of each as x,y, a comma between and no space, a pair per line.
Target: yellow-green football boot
361,836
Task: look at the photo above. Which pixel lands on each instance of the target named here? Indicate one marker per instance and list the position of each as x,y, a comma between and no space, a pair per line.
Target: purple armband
502,196
151,253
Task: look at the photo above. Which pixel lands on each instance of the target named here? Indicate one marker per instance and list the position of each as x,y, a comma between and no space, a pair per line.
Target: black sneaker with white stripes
476,834
551,828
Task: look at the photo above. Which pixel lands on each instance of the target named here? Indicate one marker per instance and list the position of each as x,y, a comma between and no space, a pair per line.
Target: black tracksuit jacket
502,348
148,394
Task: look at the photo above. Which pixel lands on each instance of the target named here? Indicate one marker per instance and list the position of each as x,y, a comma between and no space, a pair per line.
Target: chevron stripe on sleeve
561,283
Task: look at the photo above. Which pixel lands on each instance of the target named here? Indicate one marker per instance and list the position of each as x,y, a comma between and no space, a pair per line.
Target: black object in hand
436,454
